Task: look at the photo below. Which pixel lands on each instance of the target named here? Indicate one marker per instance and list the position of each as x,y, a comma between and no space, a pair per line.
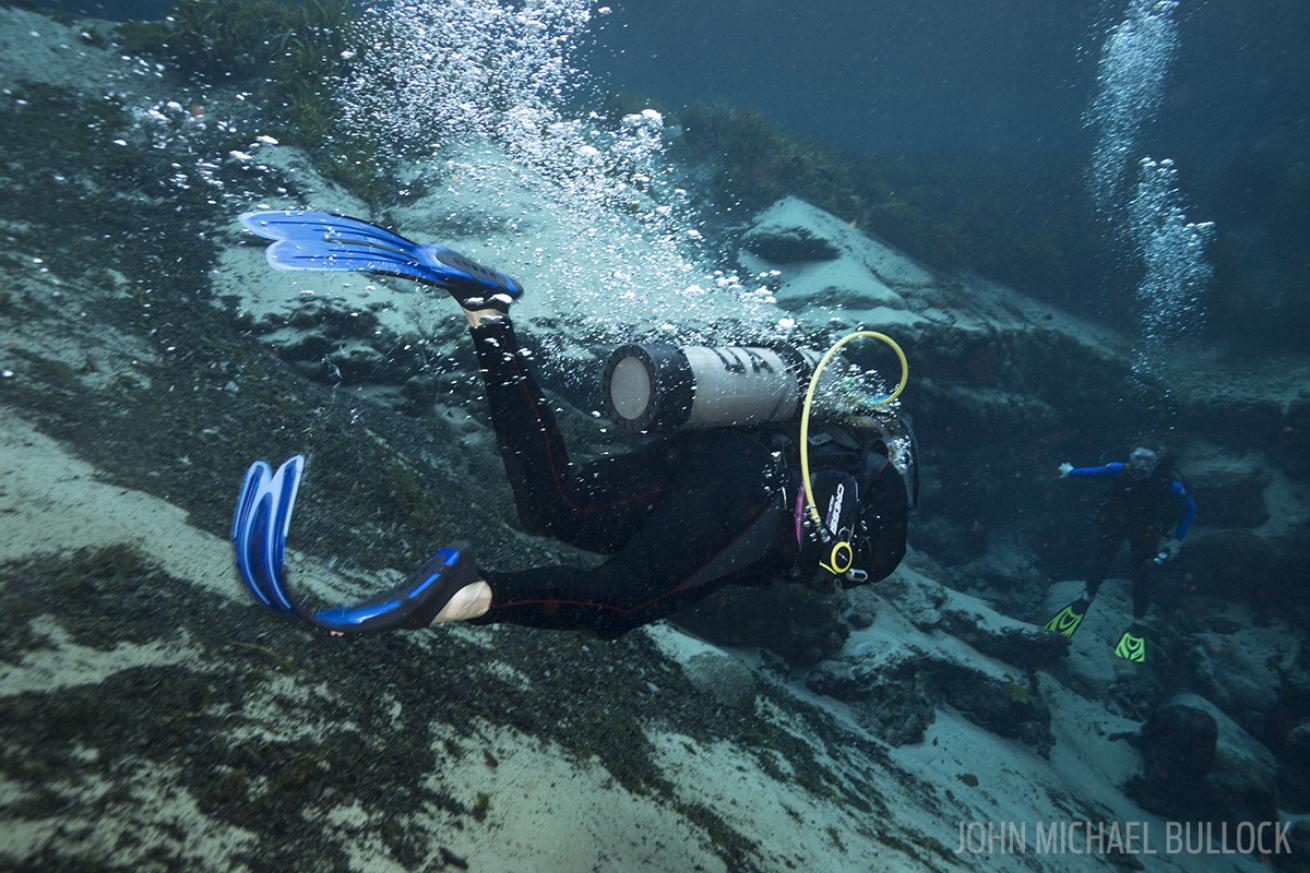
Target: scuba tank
658,387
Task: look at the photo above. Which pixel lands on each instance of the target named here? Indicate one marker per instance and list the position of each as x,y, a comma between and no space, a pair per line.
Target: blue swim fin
259,531
259,539
324,241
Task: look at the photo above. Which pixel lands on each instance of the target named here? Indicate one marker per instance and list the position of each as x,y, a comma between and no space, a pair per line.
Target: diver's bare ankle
470,602
477,316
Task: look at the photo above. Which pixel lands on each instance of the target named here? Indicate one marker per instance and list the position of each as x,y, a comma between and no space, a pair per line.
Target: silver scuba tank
658,387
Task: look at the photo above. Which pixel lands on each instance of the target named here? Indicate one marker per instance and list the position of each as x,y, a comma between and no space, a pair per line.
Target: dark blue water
966,97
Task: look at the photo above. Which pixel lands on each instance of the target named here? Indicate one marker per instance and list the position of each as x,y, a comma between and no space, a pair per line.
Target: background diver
678,519
1144,495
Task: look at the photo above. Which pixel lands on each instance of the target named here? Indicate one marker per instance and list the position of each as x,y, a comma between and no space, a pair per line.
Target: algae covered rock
788,244
1200,765
730,682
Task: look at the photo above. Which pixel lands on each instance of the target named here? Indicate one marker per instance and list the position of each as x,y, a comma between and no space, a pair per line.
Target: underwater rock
1289,446
939,536
305,317
1005,708
421,391
1200,765
358,363
331,344
1240,564
929,605
891,696
788,244
1230,490
801,625
917,598
841,678
1294,769
1298,840
1177,743
895,690
1014,642
307,347
900,716
336,319
821,258
723,677
863,608
925,564
1230,416
1243,785
1246,672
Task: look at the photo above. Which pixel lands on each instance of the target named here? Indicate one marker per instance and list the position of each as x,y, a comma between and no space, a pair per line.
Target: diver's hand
1167,550
1065,469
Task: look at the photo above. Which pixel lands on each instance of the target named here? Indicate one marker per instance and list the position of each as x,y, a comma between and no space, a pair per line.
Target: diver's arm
1109,471
1177,489
1170,546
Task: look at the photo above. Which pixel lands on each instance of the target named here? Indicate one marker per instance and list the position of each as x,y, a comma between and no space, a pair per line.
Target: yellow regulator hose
809,402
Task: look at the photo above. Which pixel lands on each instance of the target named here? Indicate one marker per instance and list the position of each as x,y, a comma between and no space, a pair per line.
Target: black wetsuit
1140,511
678,520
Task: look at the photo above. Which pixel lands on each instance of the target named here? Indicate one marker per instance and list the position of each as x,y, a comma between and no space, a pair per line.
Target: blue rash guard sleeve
1109,471
1189,509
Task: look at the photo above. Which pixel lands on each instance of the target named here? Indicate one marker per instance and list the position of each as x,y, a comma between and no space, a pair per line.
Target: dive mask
1142,462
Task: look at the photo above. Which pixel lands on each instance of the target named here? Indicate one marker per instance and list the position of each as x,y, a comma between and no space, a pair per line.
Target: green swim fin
1132,645
1067,621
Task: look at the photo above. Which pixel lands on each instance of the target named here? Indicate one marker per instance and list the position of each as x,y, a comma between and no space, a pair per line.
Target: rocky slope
155,718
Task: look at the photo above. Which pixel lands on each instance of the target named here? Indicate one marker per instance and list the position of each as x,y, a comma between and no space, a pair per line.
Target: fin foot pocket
413,603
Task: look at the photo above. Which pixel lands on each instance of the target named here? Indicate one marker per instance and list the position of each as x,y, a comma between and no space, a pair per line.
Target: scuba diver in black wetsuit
1145,497
678,519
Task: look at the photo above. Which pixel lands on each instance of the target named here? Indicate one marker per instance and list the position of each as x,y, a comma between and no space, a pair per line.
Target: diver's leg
1070,618
1142,550
717,524
1141,595
1134,642
1108,543
596,506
